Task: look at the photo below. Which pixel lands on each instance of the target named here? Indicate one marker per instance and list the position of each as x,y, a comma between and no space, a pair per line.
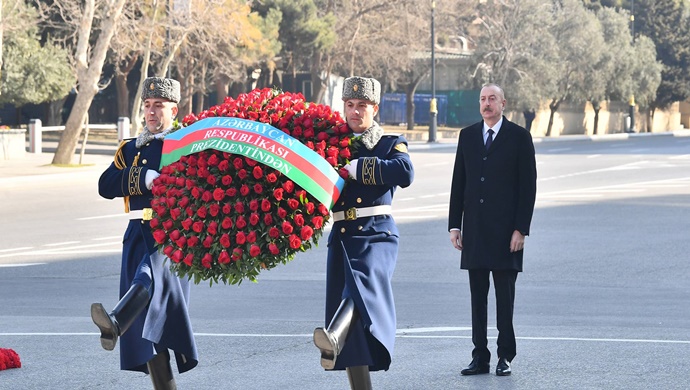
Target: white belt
145,214
352,213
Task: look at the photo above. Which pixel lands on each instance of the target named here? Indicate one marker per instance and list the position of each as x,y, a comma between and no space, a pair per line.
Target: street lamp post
432,106
632,96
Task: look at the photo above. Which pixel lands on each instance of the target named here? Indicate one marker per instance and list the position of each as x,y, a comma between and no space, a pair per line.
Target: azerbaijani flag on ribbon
260,142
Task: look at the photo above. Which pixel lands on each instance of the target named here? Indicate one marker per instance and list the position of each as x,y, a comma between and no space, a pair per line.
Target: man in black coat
491,204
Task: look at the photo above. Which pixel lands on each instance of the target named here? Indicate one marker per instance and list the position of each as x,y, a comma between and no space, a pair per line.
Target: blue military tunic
165,323
362,253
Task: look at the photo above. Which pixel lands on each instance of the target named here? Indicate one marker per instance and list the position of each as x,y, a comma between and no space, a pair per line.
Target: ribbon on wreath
260,142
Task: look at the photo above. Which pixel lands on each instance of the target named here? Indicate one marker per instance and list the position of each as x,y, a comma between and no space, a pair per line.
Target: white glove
352,169
151,175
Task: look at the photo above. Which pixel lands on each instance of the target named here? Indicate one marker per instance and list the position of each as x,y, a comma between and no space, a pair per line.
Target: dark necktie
489,139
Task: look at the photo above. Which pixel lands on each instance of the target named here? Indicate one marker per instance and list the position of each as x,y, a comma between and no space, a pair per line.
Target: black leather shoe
503,367
476,367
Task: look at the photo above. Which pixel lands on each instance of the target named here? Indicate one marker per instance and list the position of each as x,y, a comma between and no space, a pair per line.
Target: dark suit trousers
504,285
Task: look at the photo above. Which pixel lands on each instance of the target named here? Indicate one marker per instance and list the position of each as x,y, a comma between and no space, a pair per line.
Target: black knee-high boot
332,340
359,378
121,318
161,372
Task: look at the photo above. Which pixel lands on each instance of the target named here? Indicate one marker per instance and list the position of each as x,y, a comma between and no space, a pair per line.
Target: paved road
602,303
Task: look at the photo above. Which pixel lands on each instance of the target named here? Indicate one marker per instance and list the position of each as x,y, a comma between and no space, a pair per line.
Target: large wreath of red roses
223,217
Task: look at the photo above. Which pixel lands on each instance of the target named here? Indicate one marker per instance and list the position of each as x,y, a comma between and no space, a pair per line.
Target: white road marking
400,333
62,243
16,249
20,265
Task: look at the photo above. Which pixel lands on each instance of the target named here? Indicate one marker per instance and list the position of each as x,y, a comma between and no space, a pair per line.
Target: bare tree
83,19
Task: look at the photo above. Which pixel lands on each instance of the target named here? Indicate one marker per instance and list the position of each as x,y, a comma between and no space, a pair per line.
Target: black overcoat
492,195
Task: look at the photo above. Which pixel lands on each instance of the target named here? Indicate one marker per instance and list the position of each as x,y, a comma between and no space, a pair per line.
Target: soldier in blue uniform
151,317
363,245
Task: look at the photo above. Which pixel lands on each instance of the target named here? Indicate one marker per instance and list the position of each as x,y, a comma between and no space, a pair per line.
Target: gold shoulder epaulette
119,155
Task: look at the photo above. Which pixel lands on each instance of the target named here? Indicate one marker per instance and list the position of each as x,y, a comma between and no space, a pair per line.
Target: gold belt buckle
148,214
351,214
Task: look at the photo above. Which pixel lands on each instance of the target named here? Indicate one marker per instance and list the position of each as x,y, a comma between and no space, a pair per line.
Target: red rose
212,228
206,196
207,260
282,213
265,205
226,223
289,186
184,202
253,205
299,220
159,236
258,172
287,227
214,209
192,241
153,223
273,248
168,250
240,222
268,219
254,251
295,241
167,224
211,180
278,193
310,207
240,238
344,143
189,259
239,207
175,213
224,258
208,241
271,178
244,190
181,242
236,254
227,208
258,188
218,194
232,191
293,203
332,151
223,166
226,180
177,256
201,213
198,226
332,160
273,232
317,222
225,240
254,219
306,233
238,163
196,193
345,153
251,237
242,174
323,210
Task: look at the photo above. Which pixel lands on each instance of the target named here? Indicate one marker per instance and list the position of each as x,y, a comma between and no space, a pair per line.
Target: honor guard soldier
363,245
151,317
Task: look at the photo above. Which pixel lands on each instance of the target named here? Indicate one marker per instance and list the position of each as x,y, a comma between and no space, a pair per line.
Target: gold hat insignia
151,86
355,87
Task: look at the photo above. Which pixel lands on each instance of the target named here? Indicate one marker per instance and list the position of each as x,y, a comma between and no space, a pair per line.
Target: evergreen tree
664,21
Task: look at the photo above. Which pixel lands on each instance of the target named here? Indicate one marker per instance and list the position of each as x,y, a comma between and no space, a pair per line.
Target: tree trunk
553,106
595,131
88,74
122,95
409,105
221,88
